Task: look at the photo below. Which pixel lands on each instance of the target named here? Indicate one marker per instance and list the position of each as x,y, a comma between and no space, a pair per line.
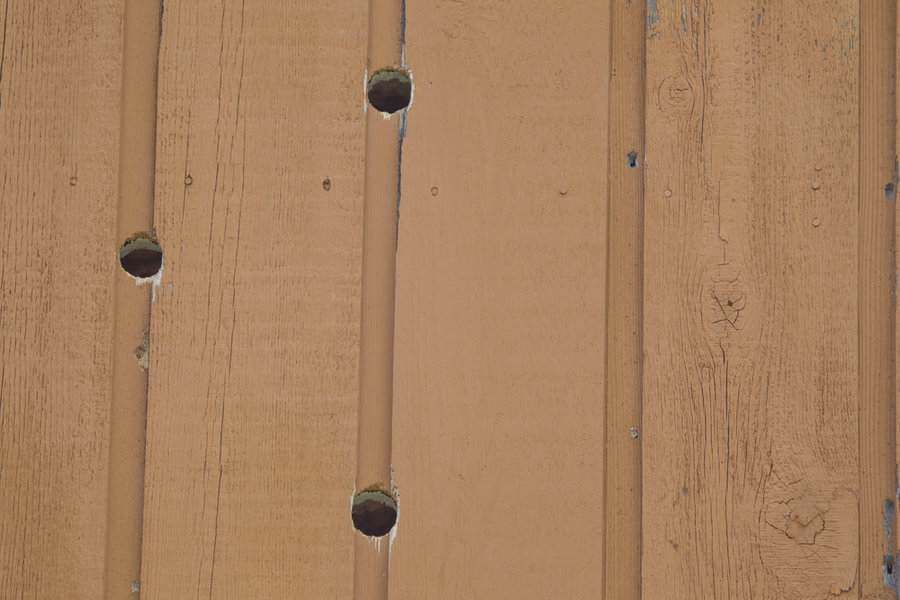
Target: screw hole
141,256
389,90
326,184
374,512
632,160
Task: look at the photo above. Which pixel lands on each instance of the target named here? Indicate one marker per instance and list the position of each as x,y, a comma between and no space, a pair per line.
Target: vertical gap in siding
382,179
624,296
131,305
877,193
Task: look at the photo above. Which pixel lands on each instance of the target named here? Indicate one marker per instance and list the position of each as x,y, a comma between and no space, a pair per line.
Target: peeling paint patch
889,564
890,188
141,354
652,14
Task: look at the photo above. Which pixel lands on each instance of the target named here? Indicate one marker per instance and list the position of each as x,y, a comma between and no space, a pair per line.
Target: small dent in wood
632,160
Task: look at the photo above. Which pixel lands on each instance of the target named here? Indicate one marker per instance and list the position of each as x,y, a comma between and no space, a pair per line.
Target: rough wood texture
500,323
60,85
751,387
624,303
251,440
877,200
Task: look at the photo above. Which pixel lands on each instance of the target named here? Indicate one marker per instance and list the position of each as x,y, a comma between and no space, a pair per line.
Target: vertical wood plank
877,199
251,450
624,300
128,409
499,388
60,86
376,322
751,386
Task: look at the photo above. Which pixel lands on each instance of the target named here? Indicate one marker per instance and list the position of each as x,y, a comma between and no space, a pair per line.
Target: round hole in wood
141,256
374,512
389,90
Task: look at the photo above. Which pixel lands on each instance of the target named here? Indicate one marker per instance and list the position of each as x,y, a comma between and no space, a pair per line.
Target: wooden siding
611,309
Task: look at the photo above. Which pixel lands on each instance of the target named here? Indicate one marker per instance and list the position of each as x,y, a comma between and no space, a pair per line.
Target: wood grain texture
624,303
751,385
252,417
499,389
376,357
877,200
60,86
128,409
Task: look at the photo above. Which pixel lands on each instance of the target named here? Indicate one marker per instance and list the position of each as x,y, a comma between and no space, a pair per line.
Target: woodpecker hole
389,90
374,512
141,256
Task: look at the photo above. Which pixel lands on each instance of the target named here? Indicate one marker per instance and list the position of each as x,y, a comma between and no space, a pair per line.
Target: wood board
59,162
751,374
499,365
251,440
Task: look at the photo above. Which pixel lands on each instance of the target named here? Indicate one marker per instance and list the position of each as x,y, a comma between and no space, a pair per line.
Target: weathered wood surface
251,440
499,389
751,374
60,86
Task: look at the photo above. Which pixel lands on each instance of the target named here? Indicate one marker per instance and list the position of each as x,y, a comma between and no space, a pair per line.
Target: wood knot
810,535
675,97
723,304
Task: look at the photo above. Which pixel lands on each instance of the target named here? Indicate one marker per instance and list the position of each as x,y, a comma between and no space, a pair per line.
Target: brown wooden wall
610,309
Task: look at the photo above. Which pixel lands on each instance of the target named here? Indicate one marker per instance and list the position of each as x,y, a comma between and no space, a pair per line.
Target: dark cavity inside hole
141,256
374,512
389,90
632,159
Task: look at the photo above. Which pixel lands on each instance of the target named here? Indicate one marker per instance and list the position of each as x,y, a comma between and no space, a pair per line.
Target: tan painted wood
499,386
624,303
877,203
751,385
251,440
128,409
60,86
376,356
